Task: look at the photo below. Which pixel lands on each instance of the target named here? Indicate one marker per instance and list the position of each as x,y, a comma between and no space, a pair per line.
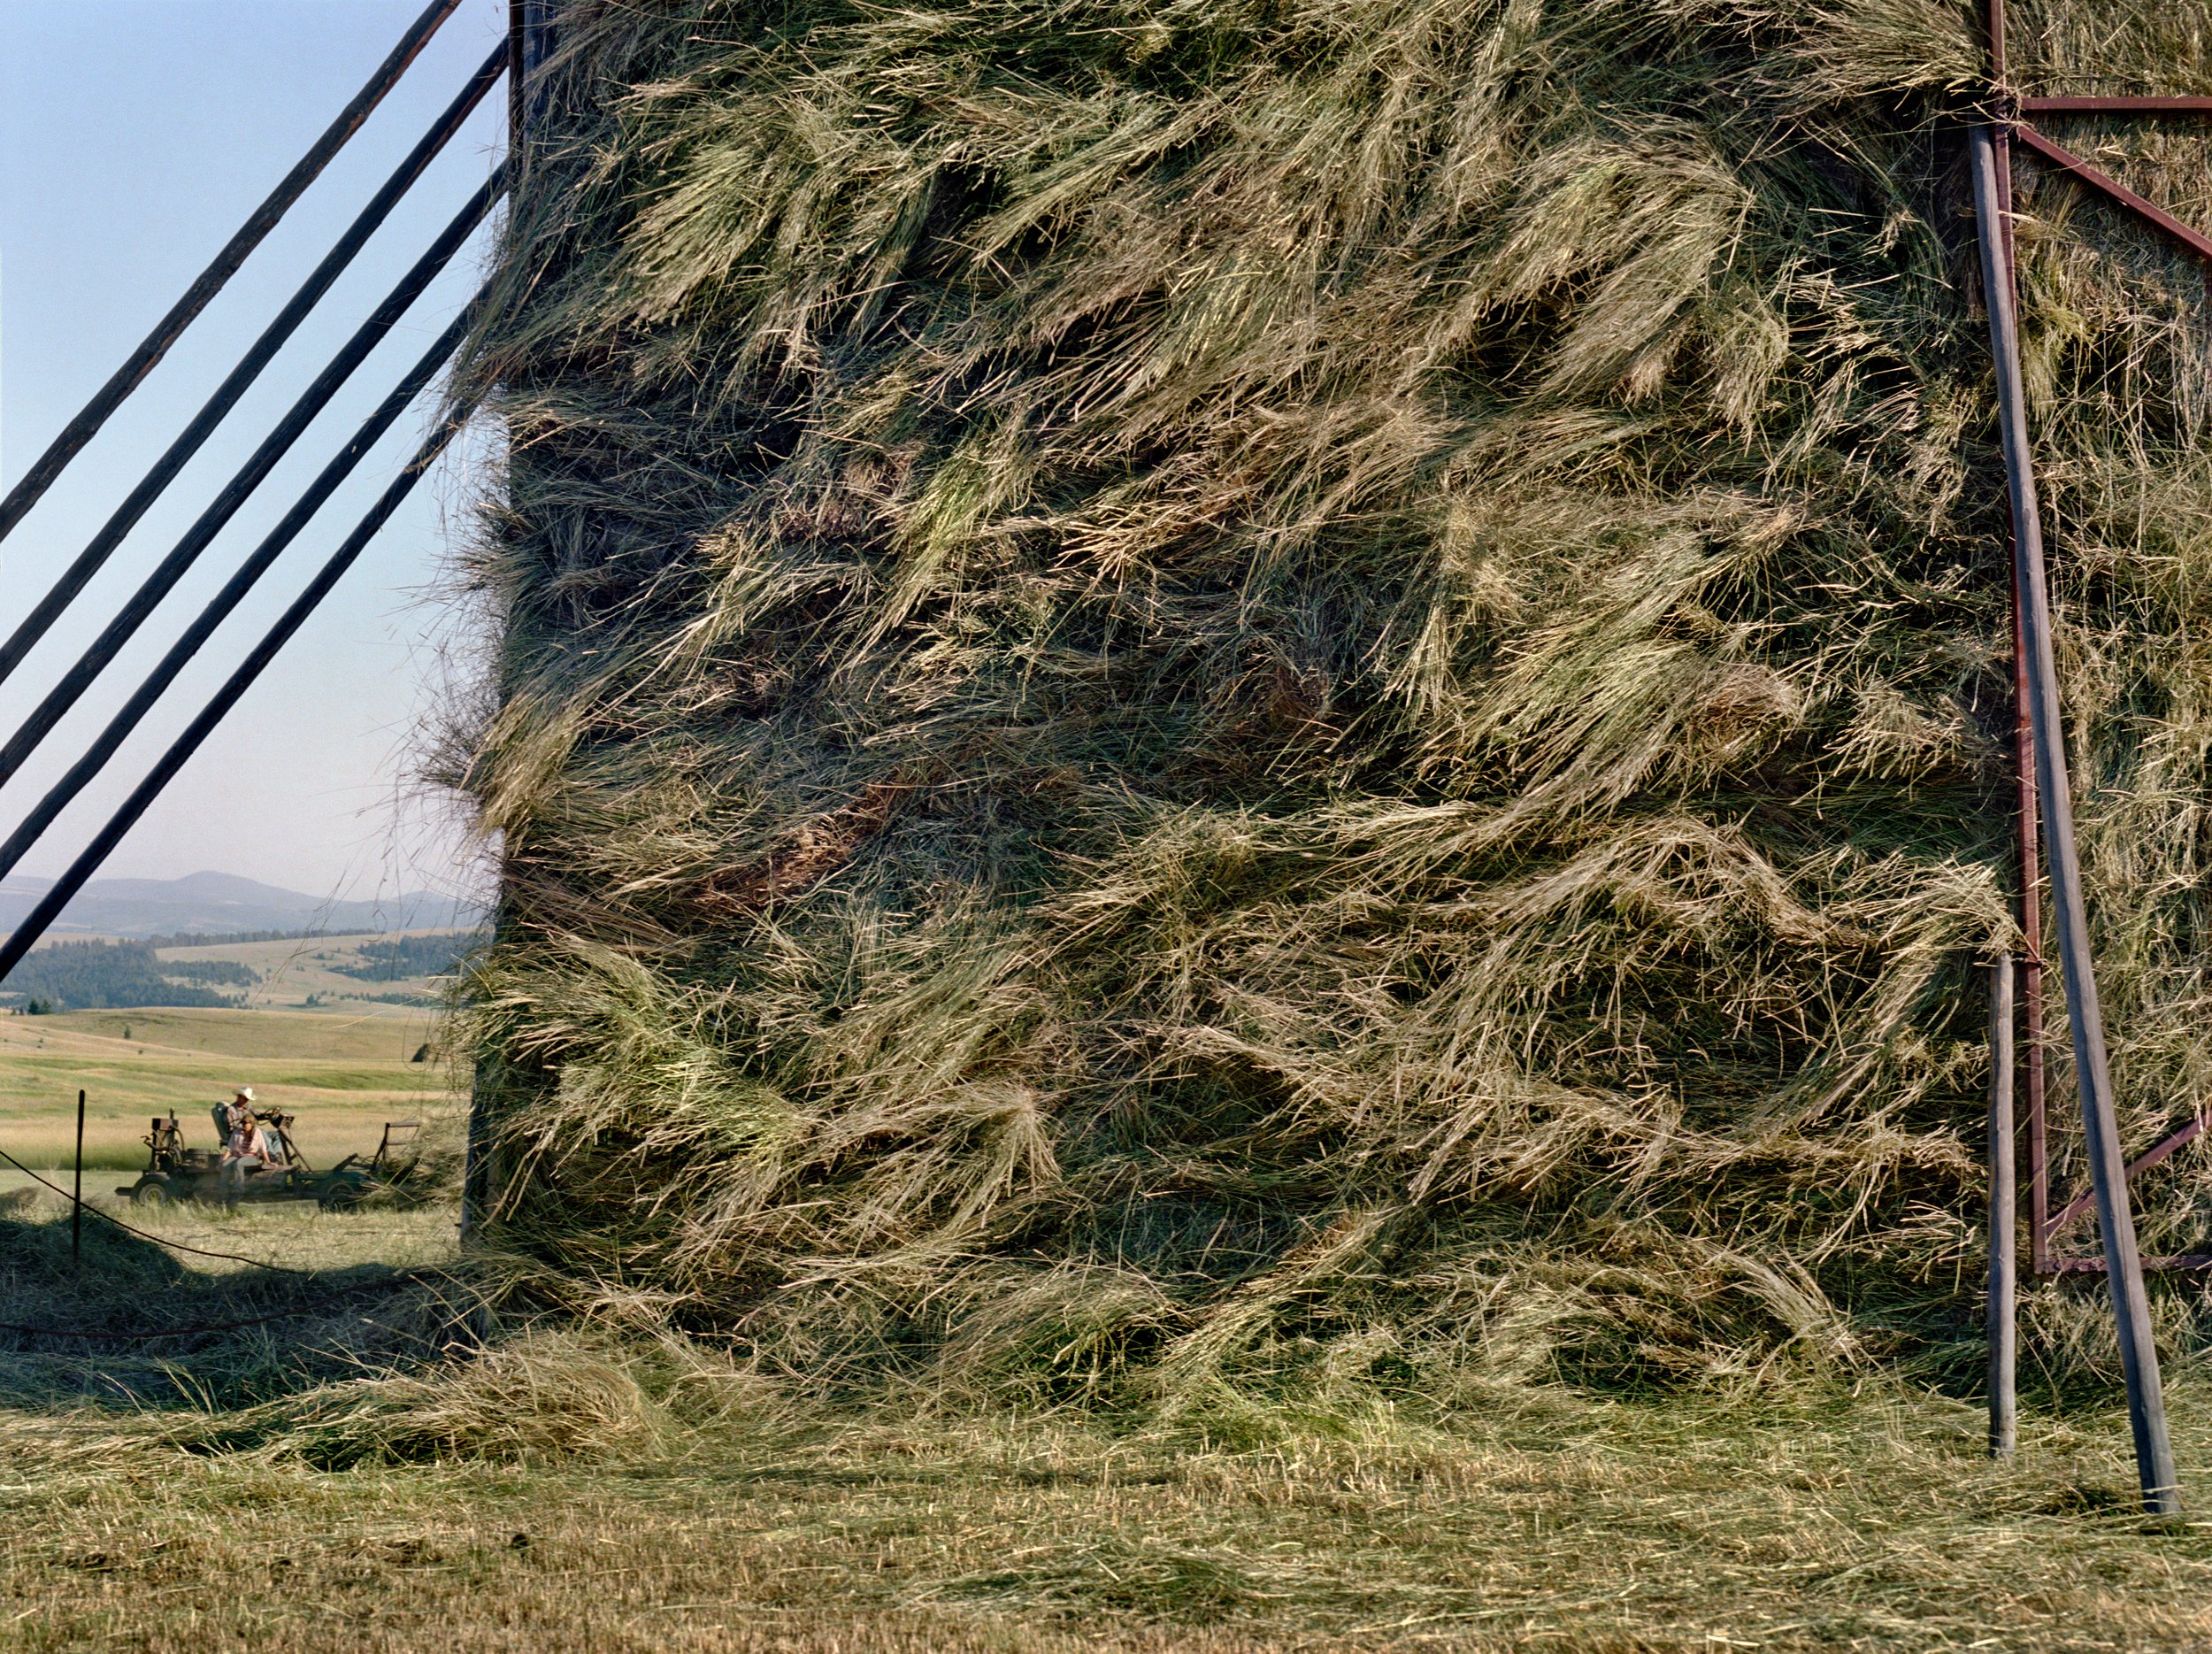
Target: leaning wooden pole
2124,1266
2004,1204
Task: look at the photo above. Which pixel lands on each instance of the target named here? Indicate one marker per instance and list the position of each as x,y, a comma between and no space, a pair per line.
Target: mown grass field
342,1073
1549,1523
364,1477
294,969
587,1495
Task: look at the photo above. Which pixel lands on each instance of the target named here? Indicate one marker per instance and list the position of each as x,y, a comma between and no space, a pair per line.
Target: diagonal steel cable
35,924
96,756
72,437
171,568
89,561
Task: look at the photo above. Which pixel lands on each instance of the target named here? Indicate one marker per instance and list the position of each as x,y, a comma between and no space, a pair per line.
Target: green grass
294,1233
341,1076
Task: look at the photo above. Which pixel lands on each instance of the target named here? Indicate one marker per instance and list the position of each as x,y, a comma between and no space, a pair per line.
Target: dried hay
1204,698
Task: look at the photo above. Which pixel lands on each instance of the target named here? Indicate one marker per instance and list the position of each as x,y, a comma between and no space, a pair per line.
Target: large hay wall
1203,696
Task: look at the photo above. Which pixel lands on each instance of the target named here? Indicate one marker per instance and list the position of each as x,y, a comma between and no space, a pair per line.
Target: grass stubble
372,1480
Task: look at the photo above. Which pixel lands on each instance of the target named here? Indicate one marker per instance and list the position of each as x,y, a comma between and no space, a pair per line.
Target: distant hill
222,904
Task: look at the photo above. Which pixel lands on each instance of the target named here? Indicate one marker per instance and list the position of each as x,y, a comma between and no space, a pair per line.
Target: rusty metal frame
2045,793
2112,188
2043,1223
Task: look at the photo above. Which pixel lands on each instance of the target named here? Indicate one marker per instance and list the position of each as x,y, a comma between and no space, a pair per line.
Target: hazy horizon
139,134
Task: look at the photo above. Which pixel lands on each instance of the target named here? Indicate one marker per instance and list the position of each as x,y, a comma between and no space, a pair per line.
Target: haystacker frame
2046,825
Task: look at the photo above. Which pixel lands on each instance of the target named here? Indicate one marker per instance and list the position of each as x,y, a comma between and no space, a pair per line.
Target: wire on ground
353,1290
174,1246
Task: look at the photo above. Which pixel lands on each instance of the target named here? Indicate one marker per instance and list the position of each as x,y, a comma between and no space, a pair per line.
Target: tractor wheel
151,1191
340,1197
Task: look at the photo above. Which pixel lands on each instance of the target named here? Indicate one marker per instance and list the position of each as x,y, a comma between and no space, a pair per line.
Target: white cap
245,1094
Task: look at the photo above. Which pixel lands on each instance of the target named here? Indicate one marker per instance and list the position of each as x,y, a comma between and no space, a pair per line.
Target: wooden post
2124,1265
530,32
531,23
2003,1320
76,1198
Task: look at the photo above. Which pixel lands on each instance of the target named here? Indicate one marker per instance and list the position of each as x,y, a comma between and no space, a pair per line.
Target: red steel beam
2143,1162
2095,1266
2031,1065
2117,105
2195,241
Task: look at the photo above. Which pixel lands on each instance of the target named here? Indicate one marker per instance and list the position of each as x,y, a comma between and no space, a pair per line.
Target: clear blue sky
137,134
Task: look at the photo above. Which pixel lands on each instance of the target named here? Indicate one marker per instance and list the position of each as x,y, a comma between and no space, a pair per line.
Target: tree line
110,975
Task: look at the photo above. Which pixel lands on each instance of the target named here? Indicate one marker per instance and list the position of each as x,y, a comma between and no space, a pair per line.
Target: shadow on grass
129,1323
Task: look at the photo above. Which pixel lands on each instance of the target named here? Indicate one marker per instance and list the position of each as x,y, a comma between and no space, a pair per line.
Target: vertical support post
2004,1202
2003,1318
515,54
535,45
476,1172
2031,986
530,42
76,1198
2124,1265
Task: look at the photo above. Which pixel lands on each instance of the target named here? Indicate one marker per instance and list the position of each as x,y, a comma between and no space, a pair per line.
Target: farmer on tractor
256,1160
246,1148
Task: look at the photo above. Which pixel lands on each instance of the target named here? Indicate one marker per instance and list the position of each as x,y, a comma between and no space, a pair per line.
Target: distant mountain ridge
223,904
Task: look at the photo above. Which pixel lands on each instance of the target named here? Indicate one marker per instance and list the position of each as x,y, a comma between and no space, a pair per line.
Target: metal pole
76,1198
89,561
235,590
2003,1311
172,568
2003,1318
264,219
2130,1306
49,906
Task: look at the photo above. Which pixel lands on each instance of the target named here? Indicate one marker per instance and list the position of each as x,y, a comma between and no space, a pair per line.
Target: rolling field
342,1073
294,969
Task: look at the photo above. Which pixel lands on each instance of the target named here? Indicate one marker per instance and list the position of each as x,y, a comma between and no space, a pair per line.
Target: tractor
176,1172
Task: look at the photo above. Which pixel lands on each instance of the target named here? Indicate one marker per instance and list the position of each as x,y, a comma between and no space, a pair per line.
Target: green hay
1203,699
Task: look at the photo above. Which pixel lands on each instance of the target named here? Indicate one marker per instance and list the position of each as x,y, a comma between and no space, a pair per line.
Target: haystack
1209,699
